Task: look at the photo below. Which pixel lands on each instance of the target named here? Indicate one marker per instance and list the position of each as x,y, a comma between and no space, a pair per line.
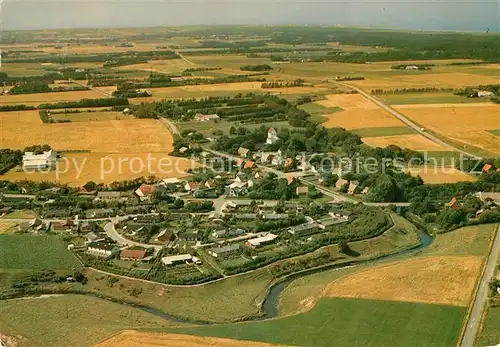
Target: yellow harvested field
411,80
162,66
45,98
347,101
444,280
466,123
358,112
416,142
7,227
131,338
124,149
440,175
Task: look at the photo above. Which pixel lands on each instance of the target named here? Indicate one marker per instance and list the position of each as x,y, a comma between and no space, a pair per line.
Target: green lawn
71,320
352,322
495,132
386,131
20,214
90,116
490,332
35,252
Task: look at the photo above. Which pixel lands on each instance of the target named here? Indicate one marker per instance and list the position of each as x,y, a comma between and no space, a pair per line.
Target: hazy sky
475,15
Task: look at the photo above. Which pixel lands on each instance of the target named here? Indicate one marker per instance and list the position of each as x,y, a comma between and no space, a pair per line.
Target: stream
270,305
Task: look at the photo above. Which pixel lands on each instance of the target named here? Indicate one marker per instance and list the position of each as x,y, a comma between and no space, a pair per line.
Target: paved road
478,306
181,56
111,232
407,121
170,125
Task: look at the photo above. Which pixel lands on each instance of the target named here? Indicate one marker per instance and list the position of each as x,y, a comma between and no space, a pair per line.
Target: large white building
45,160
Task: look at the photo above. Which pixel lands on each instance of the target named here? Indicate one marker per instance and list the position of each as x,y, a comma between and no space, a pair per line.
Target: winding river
270,304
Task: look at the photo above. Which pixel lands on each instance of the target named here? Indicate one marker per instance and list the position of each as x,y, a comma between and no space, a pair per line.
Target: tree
384,190
343,246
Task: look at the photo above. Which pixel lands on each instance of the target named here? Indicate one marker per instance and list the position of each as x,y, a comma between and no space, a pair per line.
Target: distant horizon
428,15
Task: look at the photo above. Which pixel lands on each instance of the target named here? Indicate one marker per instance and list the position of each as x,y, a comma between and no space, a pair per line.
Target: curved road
407,121
479,303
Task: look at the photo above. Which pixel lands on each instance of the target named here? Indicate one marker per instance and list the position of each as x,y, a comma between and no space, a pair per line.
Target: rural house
454,204
243,152
272,136
304,228
145,191
180,259
133,254
101,250
302,190
224,251
353,187
340,183
261,241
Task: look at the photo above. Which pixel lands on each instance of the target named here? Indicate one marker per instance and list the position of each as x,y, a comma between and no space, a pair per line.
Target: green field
315,109
471,240
495,132
90,116
352,322
490,332
35,252
71,320
428,98
387,131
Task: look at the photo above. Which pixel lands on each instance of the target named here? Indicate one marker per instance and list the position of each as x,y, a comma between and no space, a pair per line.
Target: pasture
416,142
351,322
434,280
490,334
130,338
35,252
71,320
465,123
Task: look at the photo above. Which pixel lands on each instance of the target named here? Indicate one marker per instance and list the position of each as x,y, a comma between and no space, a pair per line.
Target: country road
479,303
407,121
97,90
181,56
170,125
111,232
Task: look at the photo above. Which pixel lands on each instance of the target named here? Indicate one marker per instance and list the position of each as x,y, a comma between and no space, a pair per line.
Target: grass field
91,116
465,123
20,214
490,334
71,320
131,338
221,301
120,147
440,175
416,142
471,240
351,322
37,99
495,132
35,252
377,132
316,109
433,280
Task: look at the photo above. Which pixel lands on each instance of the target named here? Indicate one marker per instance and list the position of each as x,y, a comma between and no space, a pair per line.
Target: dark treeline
86,103
411,90
261,67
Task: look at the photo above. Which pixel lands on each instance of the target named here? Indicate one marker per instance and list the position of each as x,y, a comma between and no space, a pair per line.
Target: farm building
145,191
302,229
179,259
261,241
45,160
243,152
340,214
224,251
205,117
111,196
485,94
302,190
165,235
102,250
340,183
133,254
411,67
353,187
